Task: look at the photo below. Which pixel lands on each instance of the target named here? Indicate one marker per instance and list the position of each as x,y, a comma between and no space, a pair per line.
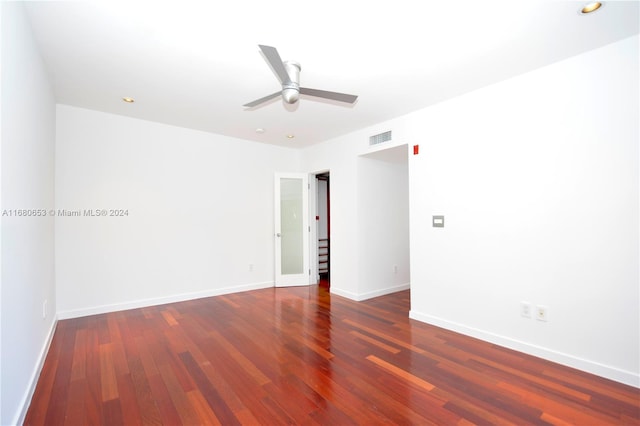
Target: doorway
323,229
383,222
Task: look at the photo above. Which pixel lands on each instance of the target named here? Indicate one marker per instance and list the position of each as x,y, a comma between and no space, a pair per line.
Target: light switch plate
438,221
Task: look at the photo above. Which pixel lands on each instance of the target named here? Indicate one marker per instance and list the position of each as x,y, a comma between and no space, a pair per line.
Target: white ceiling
195,63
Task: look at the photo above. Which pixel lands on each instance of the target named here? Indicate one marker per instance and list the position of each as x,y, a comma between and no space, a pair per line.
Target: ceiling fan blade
342,97
272,55
262,100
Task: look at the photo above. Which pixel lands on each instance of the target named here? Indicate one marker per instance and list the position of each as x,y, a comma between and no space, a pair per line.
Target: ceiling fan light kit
289,75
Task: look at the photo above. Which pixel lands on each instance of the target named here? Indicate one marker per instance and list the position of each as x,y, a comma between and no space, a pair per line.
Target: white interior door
292,229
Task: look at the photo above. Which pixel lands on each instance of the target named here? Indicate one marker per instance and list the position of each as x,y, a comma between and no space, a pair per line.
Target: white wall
28,137
340,161
538,180
200,211
342,158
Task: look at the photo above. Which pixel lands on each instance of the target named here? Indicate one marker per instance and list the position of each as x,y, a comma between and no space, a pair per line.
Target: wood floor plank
541,381
112,413
410,378
129,404
301,355
214,385
143,395
228,394
93,398
328,388
218,406
78,367
119,358
476,414
178,396
286,389
57,405
104,334
375,342
168,413
169,318
589,384
385,336
398,412
563,411
146,358
246,364
202,409
75,413
108,382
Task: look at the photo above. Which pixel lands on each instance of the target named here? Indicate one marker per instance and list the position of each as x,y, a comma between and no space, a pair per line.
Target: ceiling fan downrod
291,89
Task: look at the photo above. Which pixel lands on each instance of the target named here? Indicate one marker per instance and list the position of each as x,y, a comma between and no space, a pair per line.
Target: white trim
143,303
343,293
383,292
612,373
313,229
35,375
371,294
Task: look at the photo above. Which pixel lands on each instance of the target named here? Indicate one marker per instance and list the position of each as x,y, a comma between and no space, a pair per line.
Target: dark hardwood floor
301,356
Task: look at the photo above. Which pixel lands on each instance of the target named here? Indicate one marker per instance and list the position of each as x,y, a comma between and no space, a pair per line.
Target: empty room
277,212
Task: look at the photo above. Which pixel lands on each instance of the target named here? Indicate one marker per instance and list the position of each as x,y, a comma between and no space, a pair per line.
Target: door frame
313,237
313,234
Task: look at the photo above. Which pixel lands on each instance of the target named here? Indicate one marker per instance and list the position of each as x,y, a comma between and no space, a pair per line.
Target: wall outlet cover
542,313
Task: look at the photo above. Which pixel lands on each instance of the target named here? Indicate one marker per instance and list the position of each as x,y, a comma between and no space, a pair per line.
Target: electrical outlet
525,309
44,309
541,313
251,267
395,269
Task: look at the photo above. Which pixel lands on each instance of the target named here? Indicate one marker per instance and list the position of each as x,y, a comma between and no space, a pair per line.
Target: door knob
278,234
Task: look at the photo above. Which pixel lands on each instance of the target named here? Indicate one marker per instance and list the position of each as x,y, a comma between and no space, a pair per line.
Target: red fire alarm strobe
416,148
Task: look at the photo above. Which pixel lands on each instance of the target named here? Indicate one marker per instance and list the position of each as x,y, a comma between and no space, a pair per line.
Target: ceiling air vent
382,137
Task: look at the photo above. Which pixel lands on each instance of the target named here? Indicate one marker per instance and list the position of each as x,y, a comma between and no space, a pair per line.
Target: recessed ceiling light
290,136
259,130
591,7
129,100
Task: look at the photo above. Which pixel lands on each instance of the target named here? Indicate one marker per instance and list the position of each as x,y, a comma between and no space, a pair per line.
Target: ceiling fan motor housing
291,89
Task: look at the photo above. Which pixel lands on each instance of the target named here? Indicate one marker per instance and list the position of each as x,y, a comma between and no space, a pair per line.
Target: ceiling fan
289,75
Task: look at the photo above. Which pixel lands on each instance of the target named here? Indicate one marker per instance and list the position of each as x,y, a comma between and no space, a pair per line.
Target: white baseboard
382,292
142,303
359,297
342,293
612,373
35,375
